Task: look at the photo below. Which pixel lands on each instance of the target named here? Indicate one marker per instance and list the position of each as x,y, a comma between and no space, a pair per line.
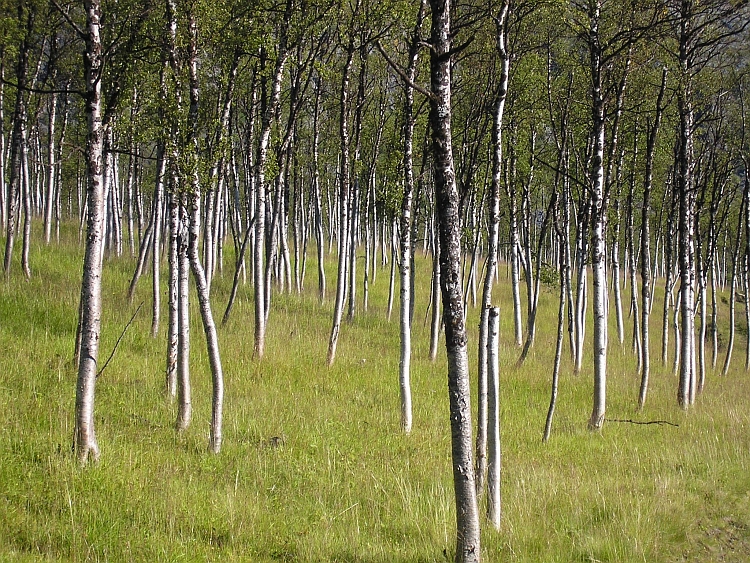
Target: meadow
314,467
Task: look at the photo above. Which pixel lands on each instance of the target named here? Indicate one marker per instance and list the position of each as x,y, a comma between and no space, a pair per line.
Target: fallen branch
124,330
640,422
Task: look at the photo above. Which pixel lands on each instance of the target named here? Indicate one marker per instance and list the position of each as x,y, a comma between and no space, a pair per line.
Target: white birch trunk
50,199
343,237
494,466
484,365
598,261
467,513
84,440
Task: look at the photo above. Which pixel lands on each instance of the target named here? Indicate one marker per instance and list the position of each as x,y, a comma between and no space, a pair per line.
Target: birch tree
84,439
467,512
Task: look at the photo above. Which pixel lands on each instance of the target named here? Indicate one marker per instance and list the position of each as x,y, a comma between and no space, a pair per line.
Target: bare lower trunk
599,211
173,292
677,341
467,512
646,300
269,112
343,238
494,466
212,340
50,199
484,361
558,357
91,295
27,209
156,250
17,142
394,262
435,321
406,229
732,300
319,238
184,392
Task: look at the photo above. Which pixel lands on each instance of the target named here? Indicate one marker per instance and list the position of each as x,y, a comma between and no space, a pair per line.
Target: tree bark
646,245
494,466
343,237
406,227
467,512
91,286
599,210
483,363
17,140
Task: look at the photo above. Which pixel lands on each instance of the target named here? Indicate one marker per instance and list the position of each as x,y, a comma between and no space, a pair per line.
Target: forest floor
314,467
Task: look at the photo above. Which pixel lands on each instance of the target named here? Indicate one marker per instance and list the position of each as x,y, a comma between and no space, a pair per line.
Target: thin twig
73,24
641,422
124,330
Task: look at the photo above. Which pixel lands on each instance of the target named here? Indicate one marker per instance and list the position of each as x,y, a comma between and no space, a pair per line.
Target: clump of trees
588,138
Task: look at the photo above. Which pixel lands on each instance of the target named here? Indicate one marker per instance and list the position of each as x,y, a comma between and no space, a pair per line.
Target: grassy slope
314,467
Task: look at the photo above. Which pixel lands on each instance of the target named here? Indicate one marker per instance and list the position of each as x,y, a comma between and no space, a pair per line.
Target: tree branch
400,71
73,24
117,344
630,421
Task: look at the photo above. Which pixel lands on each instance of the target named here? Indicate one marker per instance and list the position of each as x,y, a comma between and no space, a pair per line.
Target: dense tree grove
597,146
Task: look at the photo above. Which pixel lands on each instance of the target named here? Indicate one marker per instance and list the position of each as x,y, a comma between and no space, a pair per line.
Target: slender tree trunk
269,111
174,296
27,206
685,185
3,187
646,245
467,512
599,211
50,199
156,241
616,272
494,466
558,352
343,238
668,279
184,391
732,290
319,238
406,228
199,276
435,322
17,140
483,365
209,327
91,289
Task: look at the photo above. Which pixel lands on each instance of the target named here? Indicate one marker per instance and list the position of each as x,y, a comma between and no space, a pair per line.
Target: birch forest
528,197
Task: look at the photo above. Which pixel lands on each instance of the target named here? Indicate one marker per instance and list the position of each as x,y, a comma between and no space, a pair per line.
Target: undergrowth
314,466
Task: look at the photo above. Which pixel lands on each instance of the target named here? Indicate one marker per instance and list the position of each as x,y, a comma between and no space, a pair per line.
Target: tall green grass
314,466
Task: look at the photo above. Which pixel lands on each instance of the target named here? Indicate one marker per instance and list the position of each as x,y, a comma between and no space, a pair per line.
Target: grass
314,467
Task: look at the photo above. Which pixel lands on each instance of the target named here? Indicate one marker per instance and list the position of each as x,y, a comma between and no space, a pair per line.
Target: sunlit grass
314,466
